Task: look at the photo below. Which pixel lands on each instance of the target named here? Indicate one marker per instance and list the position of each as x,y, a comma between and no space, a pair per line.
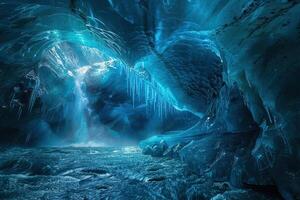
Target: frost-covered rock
156,150
225,157
173,151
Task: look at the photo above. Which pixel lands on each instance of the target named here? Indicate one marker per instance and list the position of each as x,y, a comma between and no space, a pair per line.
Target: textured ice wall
259,42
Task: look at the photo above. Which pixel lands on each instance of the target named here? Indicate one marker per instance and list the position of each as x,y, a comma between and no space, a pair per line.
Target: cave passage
149,99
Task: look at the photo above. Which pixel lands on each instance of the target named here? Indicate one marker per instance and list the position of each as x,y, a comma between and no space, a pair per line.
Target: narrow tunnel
149,99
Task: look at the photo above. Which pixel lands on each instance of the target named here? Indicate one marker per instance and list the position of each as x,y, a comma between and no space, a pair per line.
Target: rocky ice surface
110,173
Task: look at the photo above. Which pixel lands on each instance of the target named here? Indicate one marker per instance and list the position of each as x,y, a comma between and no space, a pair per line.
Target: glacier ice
213,84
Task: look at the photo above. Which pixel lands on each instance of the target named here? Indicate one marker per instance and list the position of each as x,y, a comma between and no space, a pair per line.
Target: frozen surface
102,173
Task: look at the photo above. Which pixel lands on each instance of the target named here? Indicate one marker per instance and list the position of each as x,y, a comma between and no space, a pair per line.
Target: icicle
12,100
19,112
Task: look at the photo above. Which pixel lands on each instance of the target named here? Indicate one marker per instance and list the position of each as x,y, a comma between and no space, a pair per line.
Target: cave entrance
99,99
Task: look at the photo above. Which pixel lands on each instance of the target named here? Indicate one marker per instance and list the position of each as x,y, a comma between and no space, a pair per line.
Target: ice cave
150,99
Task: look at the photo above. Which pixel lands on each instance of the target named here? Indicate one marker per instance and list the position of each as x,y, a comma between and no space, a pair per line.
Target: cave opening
103,100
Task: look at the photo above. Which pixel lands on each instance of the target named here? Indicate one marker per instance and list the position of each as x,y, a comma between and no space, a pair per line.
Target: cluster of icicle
145,91
35,93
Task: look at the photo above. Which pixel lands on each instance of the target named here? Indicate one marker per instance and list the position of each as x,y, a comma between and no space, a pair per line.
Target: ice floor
104,173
